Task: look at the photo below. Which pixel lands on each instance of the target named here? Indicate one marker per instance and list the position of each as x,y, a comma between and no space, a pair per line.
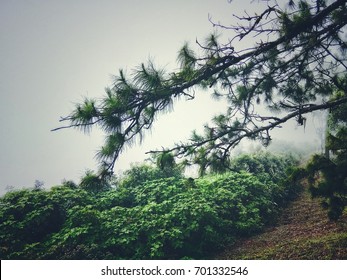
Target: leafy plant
146,216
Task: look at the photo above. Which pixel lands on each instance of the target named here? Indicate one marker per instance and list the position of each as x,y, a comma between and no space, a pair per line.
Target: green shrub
28,217
147,216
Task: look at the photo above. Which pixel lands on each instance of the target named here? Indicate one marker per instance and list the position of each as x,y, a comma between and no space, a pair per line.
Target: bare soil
302,232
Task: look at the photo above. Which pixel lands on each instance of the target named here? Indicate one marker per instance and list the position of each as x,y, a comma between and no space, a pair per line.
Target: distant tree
295,64
38,185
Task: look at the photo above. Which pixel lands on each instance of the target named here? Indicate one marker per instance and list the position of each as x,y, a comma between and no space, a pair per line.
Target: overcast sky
53,53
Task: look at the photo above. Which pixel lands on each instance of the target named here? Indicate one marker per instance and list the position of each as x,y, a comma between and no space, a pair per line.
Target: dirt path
303,232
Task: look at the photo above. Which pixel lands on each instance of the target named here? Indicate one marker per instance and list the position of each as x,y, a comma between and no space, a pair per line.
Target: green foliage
165,161
277,171
93,182
137,175
147,216
264,163
327,179
326,174
29,217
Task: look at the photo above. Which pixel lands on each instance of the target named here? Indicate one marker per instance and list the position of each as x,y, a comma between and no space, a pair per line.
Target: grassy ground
302,232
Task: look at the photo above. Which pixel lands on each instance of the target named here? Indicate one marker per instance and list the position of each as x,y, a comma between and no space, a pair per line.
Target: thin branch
182,149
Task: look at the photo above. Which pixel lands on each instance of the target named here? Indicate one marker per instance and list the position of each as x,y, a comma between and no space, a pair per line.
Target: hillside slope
302,232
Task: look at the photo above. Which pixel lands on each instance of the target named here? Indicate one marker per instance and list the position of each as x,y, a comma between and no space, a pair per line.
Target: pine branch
282,63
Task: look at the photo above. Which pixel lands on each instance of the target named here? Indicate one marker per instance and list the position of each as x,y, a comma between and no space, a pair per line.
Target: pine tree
296,63
327,175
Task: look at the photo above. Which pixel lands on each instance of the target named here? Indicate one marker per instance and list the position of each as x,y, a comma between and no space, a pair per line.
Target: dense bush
27,217
263,163
166,218
139,174
276,171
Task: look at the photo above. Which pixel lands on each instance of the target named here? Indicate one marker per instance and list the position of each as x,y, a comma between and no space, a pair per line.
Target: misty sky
53,53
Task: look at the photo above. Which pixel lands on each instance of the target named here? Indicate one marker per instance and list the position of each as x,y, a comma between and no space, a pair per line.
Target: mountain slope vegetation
145,218
257,211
